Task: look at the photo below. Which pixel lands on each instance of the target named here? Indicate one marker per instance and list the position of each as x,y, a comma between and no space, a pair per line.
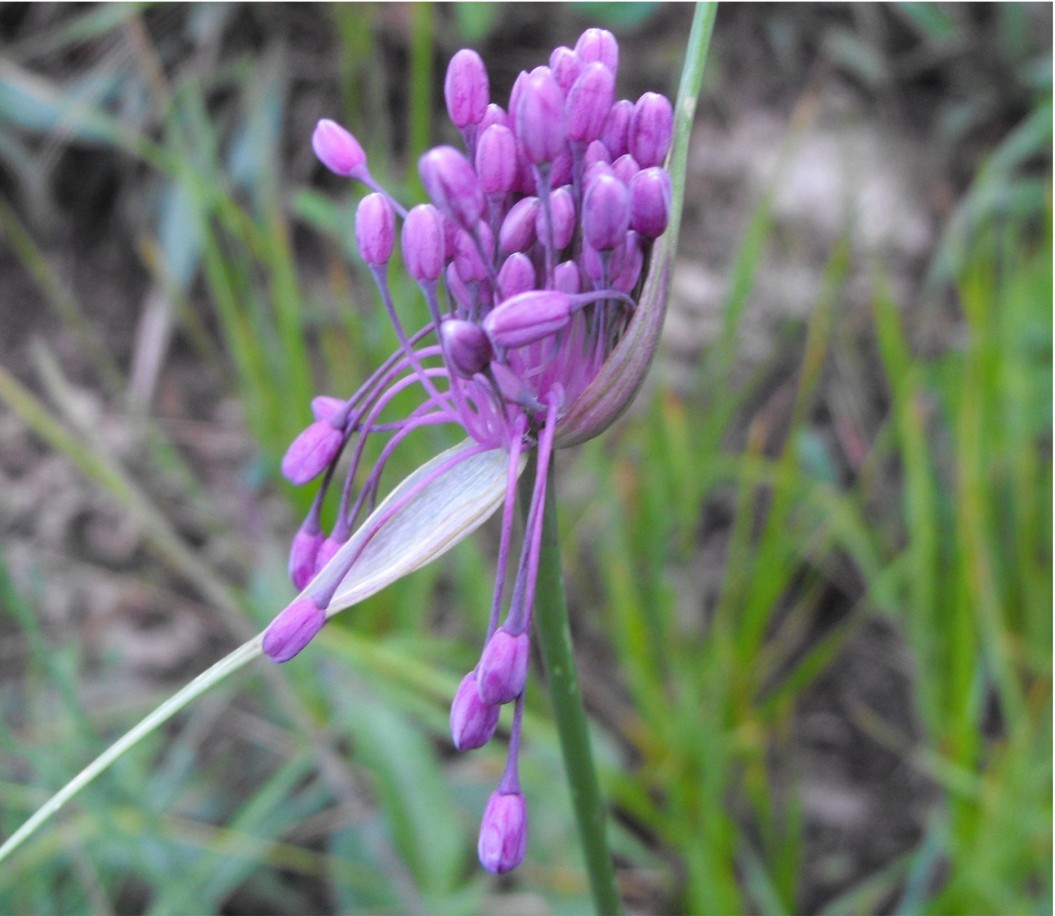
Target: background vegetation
810,574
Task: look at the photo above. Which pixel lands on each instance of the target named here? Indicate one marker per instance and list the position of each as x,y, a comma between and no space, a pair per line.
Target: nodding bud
528,317
337,149
605,212
617,127
539,117
292,630
496,160
466,89
650,194
650,130
323,407
625,168
503,832
473,721
517,232
471,265
311,452
566,66
599,44
424,248
566,277
452,184
302,554
502,671
466,347
562,216
516,276
375,229
589,101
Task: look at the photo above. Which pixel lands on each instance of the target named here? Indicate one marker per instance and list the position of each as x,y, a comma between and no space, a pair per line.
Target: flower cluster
530,256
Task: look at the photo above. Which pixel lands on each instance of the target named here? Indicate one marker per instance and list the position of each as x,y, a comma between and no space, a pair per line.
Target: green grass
329,784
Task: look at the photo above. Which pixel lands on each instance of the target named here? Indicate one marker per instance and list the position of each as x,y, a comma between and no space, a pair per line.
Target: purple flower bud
503,667
567,278
375,229
473,721
597,168
452,184
625,168
650,129
561,169
599,44
517,232
311,452
302,554
605,213
617,127
493,114
633,260
539,117
496,160
562,213
324,407
327,550
466,347
292,630
566,66
423,243
459,289
503,832
650,202
337,149
466,88
516,276
470,265
589,102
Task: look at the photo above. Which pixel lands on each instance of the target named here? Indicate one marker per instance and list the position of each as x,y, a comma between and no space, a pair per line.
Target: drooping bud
525,318
452,184
473,721
566,66
303,553
589,102
599,44
503,832
423,243
517,232
517,275
292,630
466,88
503,668
539,117
466,347
496,160
311,452
471,266
616,128
650,194
375,229
605,212
625,168
650,129
337,149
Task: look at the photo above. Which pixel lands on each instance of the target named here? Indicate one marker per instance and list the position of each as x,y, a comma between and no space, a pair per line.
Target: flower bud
599,44
452,184
465,346
496,160
470,265
539,117
589,102
327,551
596,152
562,215
516,276
617,127
493,114
292,630
324,407
567,278
466,89
337,149
311,452
302,554
517,232
561,169
625,168
605,212
503,832
650,129
597,168
459,289
375,229
423,243
566,66
473,721
650,202
629,271
525,318
503,667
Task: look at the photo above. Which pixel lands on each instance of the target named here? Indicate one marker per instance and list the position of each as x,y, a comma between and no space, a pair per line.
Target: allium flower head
541,309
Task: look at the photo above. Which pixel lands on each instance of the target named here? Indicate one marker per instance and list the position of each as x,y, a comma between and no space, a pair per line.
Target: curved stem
562,681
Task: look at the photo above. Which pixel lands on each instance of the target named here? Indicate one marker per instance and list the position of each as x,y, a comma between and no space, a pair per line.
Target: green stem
562,680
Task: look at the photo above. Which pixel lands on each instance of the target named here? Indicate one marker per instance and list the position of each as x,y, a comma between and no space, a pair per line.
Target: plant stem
562,680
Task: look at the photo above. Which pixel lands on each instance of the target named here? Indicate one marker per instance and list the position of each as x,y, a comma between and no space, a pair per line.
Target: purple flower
543,297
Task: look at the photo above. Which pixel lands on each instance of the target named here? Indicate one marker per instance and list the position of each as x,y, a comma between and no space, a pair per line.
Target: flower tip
337,149
292,630
473,721
503,832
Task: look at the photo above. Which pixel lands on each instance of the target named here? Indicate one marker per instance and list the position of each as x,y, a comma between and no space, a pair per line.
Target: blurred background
809,574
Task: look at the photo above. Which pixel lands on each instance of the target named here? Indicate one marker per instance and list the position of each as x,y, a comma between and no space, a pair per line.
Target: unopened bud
311,452
567,278
375,229
599,44
517,275
650,130
503,832
539,117
528,317
302,554
452,184
423,243
324,407
496,160
617,127
625,168
337,149
466,347
466,89
605,212
471,266
650,202
589,102
473,721
502,672
566,66
292,630
517,232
